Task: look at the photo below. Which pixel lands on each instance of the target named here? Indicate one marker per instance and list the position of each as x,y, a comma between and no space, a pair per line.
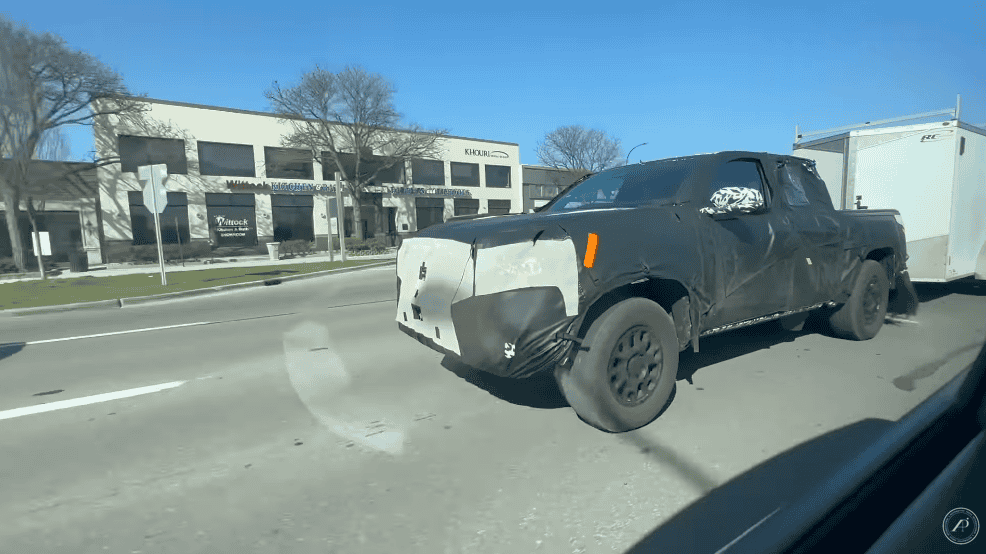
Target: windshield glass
626,186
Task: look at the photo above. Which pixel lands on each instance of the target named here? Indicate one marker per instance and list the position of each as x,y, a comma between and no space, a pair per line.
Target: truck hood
488,231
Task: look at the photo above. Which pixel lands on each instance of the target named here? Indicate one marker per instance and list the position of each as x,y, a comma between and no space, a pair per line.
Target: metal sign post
181,254
341,218
156,200
330,214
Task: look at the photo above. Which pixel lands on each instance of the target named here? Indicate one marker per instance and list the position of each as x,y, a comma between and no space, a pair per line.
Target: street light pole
632,149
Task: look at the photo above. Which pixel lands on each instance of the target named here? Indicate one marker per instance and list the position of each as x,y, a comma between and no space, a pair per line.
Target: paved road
298,419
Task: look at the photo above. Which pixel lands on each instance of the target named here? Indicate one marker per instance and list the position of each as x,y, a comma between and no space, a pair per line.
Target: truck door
753,252
802,204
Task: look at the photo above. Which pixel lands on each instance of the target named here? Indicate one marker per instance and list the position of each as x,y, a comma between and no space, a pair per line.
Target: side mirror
734,201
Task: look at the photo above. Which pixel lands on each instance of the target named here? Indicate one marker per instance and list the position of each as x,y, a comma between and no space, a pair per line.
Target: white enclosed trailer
933,173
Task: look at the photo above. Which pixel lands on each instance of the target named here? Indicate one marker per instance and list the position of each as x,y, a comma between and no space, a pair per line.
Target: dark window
466,206
292,217
174,219
498,176
392,175
738,173
464,175
429,211
499,207
428,172
232,218
367,165
543,191
288,163
138,151
230,160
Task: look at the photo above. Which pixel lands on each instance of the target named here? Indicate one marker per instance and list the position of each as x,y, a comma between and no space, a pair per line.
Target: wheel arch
887,258
670,294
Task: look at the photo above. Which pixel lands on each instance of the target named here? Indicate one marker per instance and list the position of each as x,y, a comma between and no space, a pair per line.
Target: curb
135,300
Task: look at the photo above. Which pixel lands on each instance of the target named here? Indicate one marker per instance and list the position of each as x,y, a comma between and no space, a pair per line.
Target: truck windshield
626,186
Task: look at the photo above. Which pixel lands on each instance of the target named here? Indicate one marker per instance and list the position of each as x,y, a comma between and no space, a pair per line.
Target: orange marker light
590,250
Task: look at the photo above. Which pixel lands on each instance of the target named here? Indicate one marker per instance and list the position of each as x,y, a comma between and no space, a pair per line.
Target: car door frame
738,238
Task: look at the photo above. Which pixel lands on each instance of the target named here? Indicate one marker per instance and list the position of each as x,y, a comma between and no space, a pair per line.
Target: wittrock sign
232,228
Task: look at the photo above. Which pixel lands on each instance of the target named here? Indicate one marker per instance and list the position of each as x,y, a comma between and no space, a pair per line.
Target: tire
861,317
618,402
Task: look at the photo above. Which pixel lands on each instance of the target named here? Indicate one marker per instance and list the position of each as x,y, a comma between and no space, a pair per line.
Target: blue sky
680,76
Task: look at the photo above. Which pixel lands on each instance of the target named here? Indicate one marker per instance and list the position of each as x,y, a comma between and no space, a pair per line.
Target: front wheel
861,317
625,379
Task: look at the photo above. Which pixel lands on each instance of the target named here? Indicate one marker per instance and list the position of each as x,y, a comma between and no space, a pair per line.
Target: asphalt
109,270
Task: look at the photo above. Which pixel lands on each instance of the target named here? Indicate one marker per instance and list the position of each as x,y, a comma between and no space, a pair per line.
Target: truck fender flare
680,307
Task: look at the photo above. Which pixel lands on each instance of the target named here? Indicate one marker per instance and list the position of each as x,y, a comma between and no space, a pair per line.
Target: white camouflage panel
734,200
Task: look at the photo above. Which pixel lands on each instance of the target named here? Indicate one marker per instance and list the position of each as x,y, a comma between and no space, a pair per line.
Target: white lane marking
121,332
95,399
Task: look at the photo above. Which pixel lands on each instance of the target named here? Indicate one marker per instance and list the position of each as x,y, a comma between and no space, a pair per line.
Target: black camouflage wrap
797,253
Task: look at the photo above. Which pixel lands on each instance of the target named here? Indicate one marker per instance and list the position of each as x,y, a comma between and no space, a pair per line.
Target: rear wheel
861,317
628,375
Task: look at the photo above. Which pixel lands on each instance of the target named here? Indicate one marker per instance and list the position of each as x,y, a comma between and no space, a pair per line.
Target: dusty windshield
627,186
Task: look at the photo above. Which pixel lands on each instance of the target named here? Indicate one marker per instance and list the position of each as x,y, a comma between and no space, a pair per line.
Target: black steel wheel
635,366
628,375
862,316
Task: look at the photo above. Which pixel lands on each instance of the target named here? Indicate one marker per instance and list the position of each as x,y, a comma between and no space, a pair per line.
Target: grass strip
55,291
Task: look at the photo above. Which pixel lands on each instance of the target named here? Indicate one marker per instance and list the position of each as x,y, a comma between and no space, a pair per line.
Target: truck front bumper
499,309
510,334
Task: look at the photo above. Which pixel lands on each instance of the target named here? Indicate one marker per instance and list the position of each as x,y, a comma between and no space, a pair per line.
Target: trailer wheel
628,375
861,317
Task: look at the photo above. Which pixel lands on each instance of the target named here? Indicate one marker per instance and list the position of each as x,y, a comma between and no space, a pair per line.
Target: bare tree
45,85
351,113
575,147
53,146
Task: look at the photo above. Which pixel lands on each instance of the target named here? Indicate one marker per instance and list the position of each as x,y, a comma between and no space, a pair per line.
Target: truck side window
738,173
794,190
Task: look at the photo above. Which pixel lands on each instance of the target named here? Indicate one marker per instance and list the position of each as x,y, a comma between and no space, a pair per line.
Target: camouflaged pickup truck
607,283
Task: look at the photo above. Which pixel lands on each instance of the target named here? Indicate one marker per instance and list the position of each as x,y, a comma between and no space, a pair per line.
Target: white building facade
232,183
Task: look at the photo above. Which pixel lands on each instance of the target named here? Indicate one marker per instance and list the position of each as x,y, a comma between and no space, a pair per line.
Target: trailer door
967,237
911,171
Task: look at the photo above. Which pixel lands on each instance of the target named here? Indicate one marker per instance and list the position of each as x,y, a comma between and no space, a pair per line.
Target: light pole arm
634,148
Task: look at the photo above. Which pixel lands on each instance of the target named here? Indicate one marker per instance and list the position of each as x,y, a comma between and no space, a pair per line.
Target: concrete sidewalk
375,260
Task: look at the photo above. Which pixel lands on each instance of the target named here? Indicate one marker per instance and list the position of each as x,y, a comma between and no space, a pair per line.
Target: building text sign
330,189
426,191
228,228
266,186
486,153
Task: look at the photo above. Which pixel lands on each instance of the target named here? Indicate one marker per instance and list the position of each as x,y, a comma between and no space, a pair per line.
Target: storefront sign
421,191
235,229
486,153
268,187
